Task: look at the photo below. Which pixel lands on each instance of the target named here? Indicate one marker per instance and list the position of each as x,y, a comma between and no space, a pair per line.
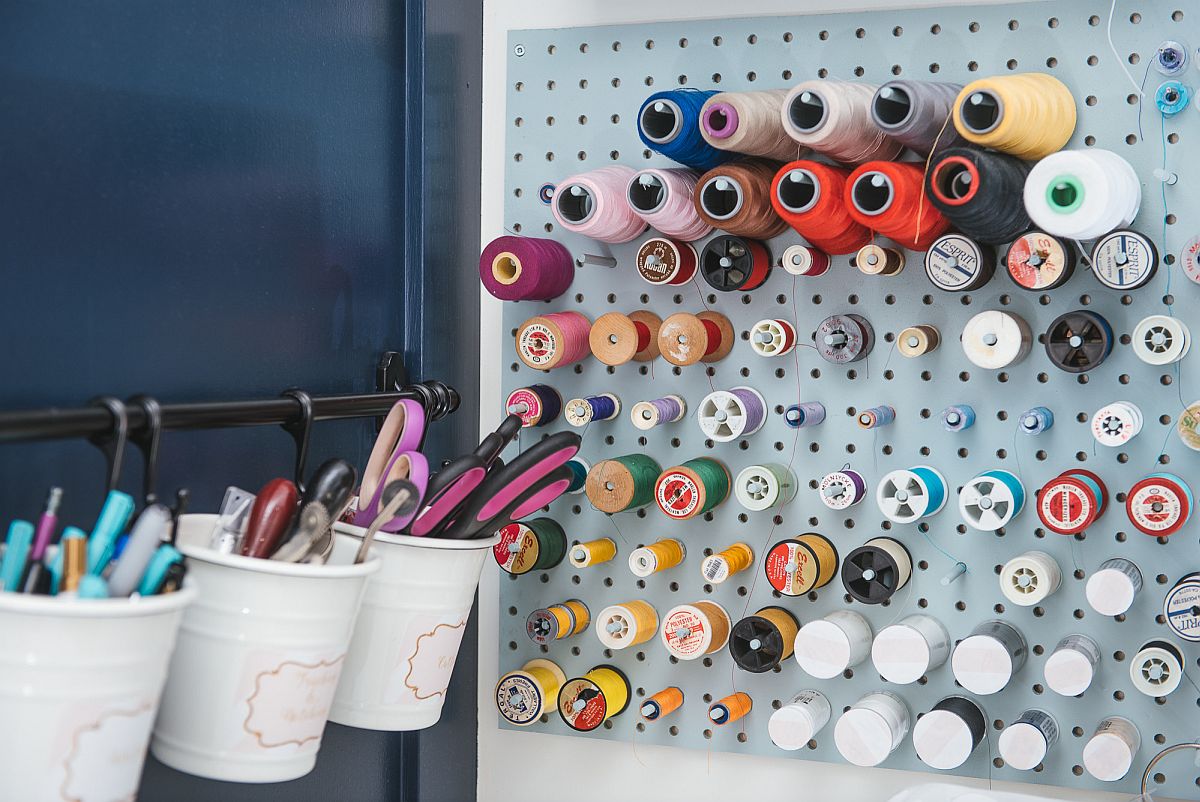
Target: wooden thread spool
558,621
686,339
693,488
799,565
620,626
875,260
616,338
664,261
730,709
522,695
593,552
662,704
691,631
586,702
918,340
716,568
624,483
551,341
656,557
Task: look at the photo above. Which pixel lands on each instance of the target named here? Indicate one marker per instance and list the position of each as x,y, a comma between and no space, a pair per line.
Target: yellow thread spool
1029,115
730,709
583,616
586,702
691,631
787,625
660,556
662,704
716,568
623,625
522,695
827,557
593,552
557,621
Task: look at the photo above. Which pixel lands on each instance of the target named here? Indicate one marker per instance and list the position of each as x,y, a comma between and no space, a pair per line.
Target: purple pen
46,525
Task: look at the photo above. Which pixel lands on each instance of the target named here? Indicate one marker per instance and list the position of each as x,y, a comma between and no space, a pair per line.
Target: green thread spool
525,546
552,542
693,488
624,483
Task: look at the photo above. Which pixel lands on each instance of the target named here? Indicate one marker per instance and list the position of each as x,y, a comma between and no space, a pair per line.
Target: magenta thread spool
525,268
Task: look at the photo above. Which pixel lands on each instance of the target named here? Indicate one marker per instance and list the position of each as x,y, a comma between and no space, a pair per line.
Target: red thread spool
889,197
811,198
553,340
662,260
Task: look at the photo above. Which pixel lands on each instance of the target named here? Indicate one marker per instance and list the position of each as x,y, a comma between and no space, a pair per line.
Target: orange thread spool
889,197
811,198
662,704
730,709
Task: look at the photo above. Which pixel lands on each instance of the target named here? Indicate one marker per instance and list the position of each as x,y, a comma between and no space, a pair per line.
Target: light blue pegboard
572,101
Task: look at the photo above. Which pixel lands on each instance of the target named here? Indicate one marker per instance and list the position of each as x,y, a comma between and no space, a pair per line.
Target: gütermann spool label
537,344
791,568
678,495
517,551
518,699
1182,608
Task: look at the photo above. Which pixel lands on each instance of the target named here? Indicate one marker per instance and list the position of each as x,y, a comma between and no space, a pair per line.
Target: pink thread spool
663,198
525,268
593,204
554,340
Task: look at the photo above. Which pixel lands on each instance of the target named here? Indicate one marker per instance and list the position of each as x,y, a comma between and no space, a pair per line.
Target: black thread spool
1079,341
949,733
758,643
874,571
729,263
980,192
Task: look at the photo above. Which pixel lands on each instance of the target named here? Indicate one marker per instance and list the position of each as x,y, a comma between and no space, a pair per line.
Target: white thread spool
1110,751
1070,669
1157,668
872,729
1028,579
993,340
828,646
1112,588
1161,340
1025,743
761,487
909,649
1094,191
1117,423
985,661
792,726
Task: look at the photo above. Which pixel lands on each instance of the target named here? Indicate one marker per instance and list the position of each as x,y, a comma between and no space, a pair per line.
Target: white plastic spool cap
1069,672
982,665
942,740
1022,746
1108,755
822,649
1110,592
792,726
863,737
901,654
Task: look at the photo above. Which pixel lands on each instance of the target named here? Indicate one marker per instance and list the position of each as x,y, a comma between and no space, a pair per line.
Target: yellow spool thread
523,695
564,618
623,625
1037,114
690,631
716,568
786,623
583,616
587,702
506,267
659,556
593,552
730,709
827,557
662,704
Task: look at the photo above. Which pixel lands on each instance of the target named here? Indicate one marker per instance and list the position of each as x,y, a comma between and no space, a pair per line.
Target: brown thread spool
658,556
549,341
716,568
730,709
662,704
690,631
593,552
664,261
918,340
736,197
685,339
624,483
620,626
616,338
799,565
875,260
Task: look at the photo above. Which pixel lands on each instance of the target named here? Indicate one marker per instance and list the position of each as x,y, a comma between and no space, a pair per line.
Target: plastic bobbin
872,729
1161,340
875,417
1071,667
799,720
1112,587
1025,743
1171,58
809,413
658,556
907,495
955,263
582,411
805,260
1109,753
1124,260
716,568
730,709
875,260
1159,505
593,552
1038,261
685,339
620,626
760,487
1072,501
1117,423
874,571
616,338
1079,341
536,405
1181,607
762,641
691,631
664,261
772,337
958,418
827,647
946,736
1028,579
991,500
909,649
730,263
798,565
918,340
645,415
586,702
842,339
986,660
842,489
523,695
994,339
1157,668
1035,421
727,415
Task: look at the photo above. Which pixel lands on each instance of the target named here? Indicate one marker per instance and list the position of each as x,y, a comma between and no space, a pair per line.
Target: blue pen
92,587
114,515
56,565
156,571
16,553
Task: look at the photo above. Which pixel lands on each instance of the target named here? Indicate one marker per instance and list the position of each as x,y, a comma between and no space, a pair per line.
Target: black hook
300,430
147,440
112,443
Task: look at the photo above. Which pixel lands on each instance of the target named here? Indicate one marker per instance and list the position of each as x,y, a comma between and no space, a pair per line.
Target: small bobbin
603,407
772,337
616,338
685,339
876,260
645,415
918,340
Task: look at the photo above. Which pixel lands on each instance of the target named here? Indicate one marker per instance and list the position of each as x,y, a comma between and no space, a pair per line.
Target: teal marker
114,515
92,587
16,553
156,571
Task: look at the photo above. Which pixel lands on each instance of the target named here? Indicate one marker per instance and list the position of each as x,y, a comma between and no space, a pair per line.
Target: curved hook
112,443
300,431
147,440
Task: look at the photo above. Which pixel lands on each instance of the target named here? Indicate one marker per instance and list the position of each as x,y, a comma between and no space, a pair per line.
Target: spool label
1156,507
517,551
1181,608
664,265
684,632
1066,507
518,699
1189,425
533,405
582,705
1190,257
791,569
537,344
678,495
715,569
1124,261
952,263
1049,261
838,491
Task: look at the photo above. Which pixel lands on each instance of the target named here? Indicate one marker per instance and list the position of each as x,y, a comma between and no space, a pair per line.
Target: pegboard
572,101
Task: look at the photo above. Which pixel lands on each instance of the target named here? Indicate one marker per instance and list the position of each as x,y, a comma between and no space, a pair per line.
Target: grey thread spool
914,113
1025,743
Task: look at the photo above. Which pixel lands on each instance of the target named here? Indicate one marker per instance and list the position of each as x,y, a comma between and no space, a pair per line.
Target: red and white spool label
533,405
1189,257
1048,257
537,344
1067,506
790,568
582,705
1157,506
685,633
677,495
517,550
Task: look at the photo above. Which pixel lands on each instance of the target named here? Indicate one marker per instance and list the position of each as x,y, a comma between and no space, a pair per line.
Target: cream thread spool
829,646
911,648
1110,752
593,552
876,260
792,726
872,729
1071,667
994,340
691,631
620,626
522,696
1025,743
987,660
658,556
918,341
718,567
876,570
1157,668
1030,578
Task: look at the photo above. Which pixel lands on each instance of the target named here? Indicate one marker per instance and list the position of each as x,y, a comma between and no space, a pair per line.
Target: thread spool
889,197
1172,97
728,710
593,204
582,411
749,123
691,631
1079,341
958,418
1112,588
669,123
762,641
915,113
727,415
1109,753
874,571
1072,501
994,340
876,260
718,567
799,721
645,415
1035,421
557,622
803,260
1025,743
1117,423
1082,194
1124,260
1171,58
1029,115
872,729
663,198
799,565
911,648
686,339
1188,427
991,500
947,735
986,660
1030,578
536,405
918,340
1161,340
522,695
691,489
1038,262
624,483
876,417
846,338
1157,668
1071,667
1159,505
620,626
772,337
906,496
1181,608
954,263
829,646
579,471
616,338
834,118
842,489
761,487
593,552
809,413
658,556
736,198
553,341
662,704
525,268
586,702
536,545
730,263
811,198
980,193
666,262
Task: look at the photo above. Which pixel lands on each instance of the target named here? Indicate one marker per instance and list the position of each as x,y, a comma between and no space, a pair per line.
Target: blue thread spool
1172,97
1035,421
810,413
579,472
546,193
958,418
935,486
582,411
1171,58
875,417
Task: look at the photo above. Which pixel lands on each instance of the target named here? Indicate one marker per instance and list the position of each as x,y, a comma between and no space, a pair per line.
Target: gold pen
74,564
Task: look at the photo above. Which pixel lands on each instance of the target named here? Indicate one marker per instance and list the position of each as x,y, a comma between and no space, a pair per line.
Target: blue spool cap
1036,420
958,418
1172,97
